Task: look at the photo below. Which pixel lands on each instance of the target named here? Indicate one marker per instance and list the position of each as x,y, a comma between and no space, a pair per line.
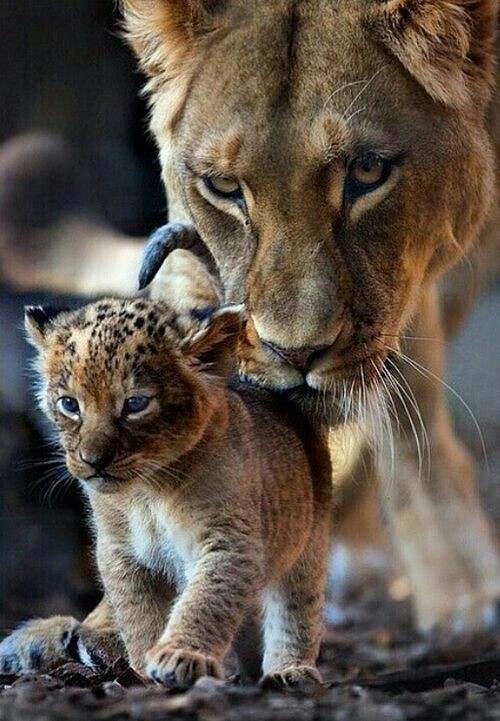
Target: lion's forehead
297,83
110,340
295,48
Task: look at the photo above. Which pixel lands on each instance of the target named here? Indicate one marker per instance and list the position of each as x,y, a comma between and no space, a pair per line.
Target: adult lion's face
332,156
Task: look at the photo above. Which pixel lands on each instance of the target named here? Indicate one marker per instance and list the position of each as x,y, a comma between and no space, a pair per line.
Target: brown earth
373,672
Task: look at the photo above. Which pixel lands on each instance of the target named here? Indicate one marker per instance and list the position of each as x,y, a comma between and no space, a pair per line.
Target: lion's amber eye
223,186
366,173
369,169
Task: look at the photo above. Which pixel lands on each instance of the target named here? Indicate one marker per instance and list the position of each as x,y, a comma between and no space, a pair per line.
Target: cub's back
295,469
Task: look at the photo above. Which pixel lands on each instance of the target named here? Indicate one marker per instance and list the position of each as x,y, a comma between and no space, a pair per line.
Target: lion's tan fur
279,88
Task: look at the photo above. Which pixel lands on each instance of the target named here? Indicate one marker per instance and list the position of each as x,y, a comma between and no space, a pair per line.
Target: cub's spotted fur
210,500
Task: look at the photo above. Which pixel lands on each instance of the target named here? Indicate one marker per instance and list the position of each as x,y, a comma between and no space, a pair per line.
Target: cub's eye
368,172
135,404
68,406
224,187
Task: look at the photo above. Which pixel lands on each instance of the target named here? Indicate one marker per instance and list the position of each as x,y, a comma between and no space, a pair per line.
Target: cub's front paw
36,644
178,666
295,678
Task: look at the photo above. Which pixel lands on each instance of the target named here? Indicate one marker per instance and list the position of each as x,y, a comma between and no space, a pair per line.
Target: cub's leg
206,617
248,646
42,643
293,611
97,642
436,518
140,600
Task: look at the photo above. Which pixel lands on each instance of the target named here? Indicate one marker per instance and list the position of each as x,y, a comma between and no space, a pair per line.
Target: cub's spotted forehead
112,335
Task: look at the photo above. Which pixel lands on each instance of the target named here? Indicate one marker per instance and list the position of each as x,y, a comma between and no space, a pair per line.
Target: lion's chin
105,487
322,407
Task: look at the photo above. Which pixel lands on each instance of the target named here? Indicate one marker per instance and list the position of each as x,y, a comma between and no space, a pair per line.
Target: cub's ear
215,336
447,45
38,322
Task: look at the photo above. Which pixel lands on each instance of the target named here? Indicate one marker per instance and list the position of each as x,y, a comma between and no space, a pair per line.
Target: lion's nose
98,461
299,358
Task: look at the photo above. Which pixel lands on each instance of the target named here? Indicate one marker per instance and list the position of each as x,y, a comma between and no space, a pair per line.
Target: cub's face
124,384
331,154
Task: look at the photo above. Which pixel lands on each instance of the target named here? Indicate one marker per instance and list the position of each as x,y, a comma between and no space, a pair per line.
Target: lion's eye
135,404
223,186
368,172
69,407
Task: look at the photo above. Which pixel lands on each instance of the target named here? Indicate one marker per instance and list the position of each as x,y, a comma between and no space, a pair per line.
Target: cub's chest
159,541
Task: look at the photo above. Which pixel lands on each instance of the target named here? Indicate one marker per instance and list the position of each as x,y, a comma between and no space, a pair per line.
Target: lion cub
210,499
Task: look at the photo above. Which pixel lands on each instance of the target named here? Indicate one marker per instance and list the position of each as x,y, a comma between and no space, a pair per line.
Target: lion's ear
445,44
166,36
161,32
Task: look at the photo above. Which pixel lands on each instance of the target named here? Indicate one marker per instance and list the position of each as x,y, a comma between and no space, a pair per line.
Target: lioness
338,158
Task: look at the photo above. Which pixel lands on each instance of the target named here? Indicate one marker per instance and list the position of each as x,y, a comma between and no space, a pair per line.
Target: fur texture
446,46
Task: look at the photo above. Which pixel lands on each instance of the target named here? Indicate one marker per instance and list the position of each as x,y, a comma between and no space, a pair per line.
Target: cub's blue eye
69,406
136,404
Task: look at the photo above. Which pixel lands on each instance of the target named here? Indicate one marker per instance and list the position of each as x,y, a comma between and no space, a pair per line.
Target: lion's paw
173,666
294,678
96,649
45,643
36,644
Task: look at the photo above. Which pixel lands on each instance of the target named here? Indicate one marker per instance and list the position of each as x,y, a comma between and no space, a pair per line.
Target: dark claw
163,677
11,664
272,683
35,654
160,244
70,643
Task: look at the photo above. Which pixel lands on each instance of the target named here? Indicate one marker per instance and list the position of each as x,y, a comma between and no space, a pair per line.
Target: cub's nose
299,358
98,462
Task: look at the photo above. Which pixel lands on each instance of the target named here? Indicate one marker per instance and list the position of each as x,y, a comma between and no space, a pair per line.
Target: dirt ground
373,672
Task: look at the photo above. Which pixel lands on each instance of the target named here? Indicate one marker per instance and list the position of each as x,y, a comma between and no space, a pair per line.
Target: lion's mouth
361,369
102,476
324,374
334,387
353,393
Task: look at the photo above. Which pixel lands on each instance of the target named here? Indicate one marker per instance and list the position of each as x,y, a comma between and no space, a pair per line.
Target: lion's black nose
98,461
299,358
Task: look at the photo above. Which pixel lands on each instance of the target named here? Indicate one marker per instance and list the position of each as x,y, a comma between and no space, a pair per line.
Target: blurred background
79,170
76,163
